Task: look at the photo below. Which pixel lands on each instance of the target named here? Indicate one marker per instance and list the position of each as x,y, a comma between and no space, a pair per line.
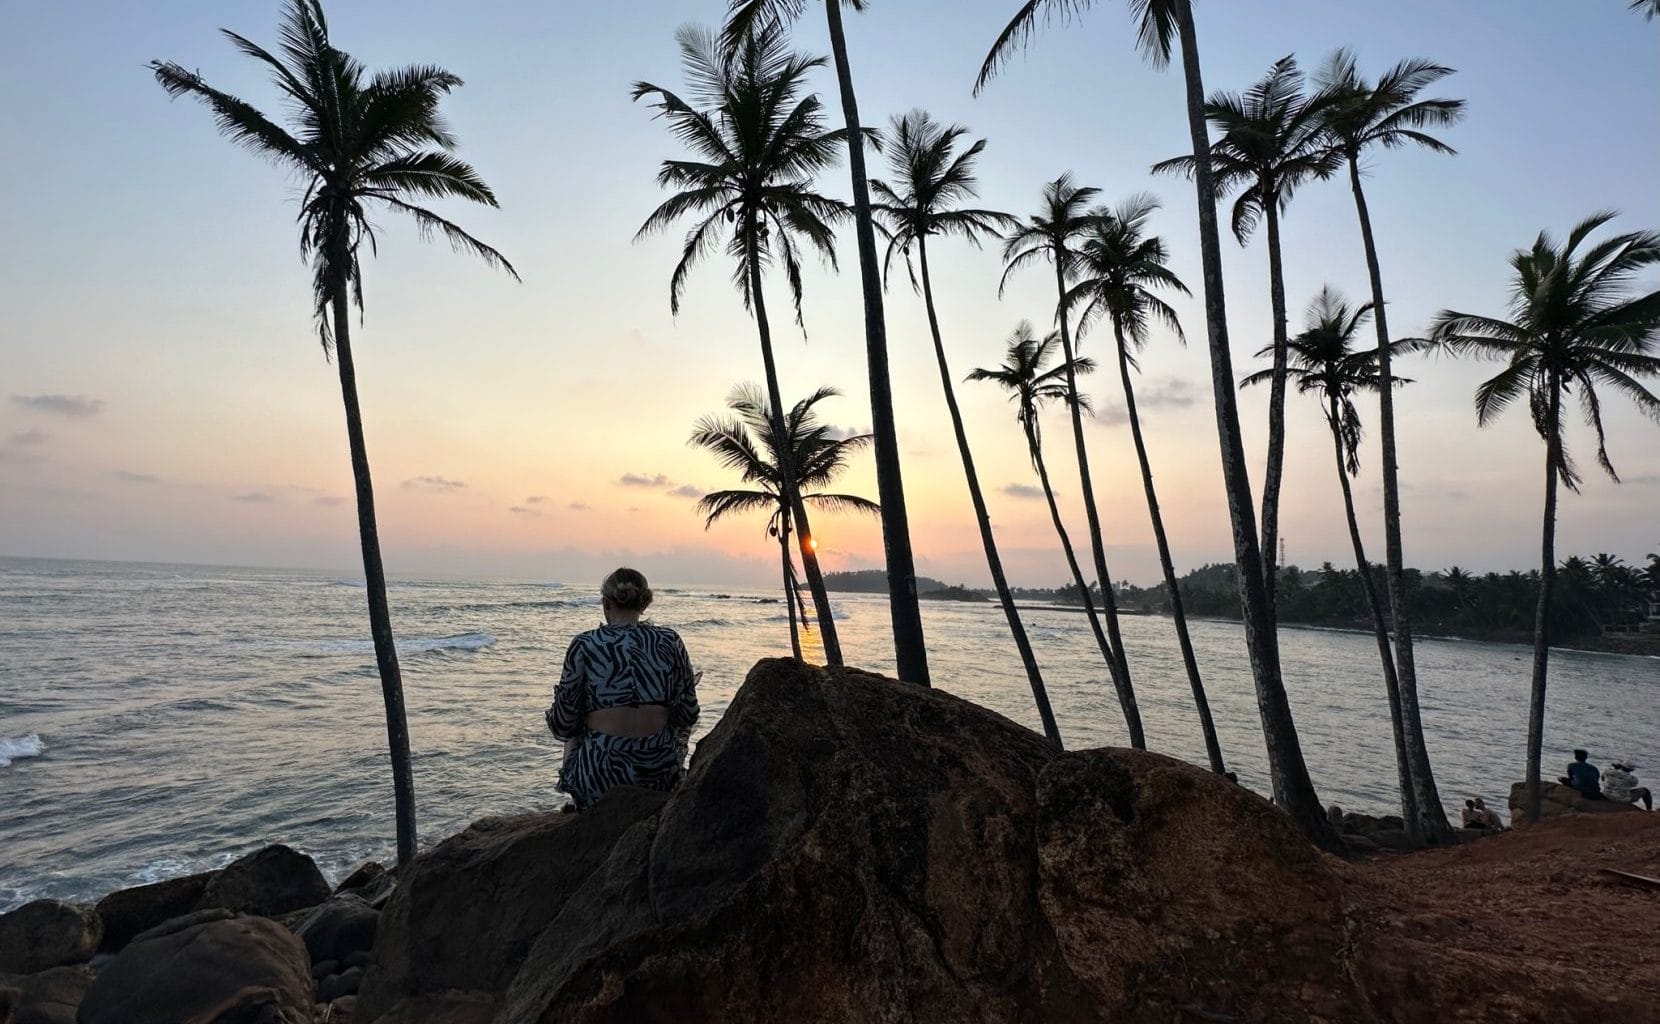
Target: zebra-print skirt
598,761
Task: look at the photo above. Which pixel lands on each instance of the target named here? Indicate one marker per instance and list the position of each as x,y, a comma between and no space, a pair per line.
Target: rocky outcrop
47,933
47,997
1556,799
466,912
337,929
270,882
210,967
127,912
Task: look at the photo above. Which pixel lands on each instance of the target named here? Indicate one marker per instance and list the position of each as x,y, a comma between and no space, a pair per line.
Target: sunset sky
163,395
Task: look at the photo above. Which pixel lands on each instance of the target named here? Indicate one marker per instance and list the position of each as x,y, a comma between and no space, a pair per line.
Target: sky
163,395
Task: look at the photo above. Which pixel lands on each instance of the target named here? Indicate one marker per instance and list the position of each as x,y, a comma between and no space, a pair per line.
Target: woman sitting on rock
626,700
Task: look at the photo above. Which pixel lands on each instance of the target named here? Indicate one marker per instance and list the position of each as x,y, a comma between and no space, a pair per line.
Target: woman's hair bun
626,589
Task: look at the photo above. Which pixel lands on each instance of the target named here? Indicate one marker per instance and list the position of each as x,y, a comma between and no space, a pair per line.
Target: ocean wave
13,748
467,642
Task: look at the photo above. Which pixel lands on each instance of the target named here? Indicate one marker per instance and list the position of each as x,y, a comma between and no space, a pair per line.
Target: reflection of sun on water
812,648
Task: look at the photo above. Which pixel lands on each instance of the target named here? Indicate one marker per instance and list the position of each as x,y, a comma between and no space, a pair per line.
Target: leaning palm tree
1270,142
1032,383
1323,362
1052,234
1160,25
1118,269
1573,327
749,441
1358,117
757,138
911,654
361,140
931,181
1649,8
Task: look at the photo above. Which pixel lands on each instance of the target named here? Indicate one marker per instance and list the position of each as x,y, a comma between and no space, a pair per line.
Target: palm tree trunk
1213,747
1035,446
374,582
1380,628
786,468
910,650
993,562
1293,789
1276,406
1432,817
789,582
1541,616
1116,661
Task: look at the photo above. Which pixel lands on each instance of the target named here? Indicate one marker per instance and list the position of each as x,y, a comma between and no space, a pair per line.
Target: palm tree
910,650
361,140
1461,583
1052,234
1358,117
758,138
1270,142
1323,362
1573,326
1160,25
1650,8
1032,383
930,182
1117,271
750,442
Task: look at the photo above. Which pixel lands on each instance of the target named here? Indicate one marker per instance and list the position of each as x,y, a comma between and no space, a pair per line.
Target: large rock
269,882
48,997
210,967
1555,800
466,912
126,912
338,928
47,933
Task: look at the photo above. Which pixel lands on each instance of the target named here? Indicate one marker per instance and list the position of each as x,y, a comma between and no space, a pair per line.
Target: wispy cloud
644,480
253,498
78,406
687,491
12,454
30,438
439,484
1168,393
328,500
579,506
520,510
536,499
843,433
127,476
1026,491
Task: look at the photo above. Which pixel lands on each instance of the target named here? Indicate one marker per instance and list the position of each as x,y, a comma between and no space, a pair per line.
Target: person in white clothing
1619,784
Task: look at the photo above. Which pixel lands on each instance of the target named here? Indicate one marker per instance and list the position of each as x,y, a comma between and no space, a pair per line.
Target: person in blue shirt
1584,776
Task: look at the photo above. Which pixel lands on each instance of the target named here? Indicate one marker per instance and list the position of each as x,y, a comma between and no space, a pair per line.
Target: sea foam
13,748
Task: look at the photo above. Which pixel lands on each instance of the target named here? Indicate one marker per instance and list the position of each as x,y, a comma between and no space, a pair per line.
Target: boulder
465,913
210,967
126,912
48,933
337,928
362,877
1556,799
451,1007
269,882
47,997
346,983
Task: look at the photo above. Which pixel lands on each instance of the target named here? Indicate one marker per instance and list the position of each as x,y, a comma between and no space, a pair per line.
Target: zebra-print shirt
623,666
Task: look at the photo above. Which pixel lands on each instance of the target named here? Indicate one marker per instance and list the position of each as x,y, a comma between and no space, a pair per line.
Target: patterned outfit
622,666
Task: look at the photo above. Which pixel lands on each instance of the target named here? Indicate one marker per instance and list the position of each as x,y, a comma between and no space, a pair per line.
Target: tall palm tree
758,138
931,181
361,141
1032,383
911,653
1270,142
1573,327
1052,234
1358,117
1461,583
1118,270
1649,8
751,443
1161,24
1323,362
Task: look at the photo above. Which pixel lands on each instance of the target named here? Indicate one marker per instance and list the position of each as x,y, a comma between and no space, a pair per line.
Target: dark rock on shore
338,928
210,967
127,912
47,997
1556,799
270,882
48,933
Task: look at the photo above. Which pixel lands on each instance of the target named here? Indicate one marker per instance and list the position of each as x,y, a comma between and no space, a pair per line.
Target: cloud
78,406
129,477
1168,393
30,438
253,498
329,500
535,499
1025,491
644,480
687,491
520,510
843,433
579,506
439,484
9,454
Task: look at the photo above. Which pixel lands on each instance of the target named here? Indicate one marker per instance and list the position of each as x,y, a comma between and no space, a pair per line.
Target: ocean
161,719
